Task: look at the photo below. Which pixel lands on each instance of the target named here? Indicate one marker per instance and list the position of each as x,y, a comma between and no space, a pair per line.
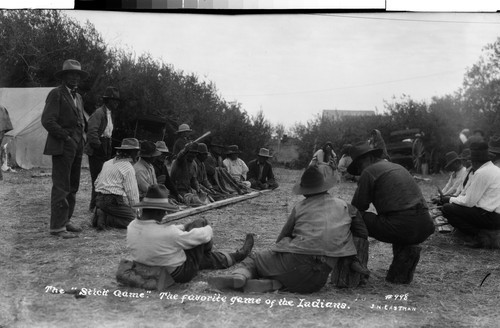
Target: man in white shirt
182,250
236,166
478,206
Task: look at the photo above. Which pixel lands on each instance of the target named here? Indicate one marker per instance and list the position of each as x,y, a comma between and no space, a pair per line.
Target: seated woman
326,160
316,234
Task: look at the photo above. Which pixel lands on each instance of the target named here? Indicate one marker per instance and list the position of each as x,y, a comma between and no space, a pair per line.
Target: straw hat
264,152
183,128
129,143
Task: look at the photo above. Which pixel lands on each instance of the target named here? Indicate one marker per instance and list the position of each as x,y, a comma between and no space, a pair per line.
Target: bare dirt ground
453,286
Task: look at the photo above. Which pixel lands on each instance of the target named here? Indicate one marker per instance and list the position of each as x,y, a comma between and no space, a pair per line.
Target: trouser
65,182
405,227
118,213
201,257
297,272
96,161
470,220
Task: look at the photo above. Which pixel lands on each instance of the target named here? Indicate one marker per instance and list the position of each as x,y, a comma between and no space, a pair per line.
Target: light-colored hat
183,128
264,152
451,157
161,146
357,152
312,182
71,65
111,93
494,144
129,143
157,198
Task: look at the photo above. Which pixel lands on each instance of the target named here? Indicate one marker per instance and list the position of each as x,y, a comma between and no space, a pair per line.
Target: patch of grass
446,291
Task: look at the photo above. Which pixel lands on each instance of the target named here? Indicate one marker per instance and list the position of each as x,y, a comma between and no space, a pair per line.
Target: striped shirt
117,177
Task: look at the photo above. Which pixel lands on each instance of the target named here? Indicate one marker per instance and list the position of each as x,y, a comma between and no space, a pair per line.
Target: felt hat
202,148
111,93
129,143
233,149
183,128
451,157
193,148
264,152
358,152
465,154
148,149
71,65
162,147
494,144
156,198
479,152
312,181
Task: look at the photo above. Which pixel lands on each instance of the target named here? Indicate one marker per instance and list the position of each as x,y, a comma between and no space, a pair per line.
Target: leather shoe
244,251
64,234
72,228
232,281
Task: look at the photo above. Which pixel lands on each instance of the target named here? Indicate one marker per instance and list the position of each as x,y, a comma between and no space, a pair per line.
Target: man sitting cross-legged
316,234
182,250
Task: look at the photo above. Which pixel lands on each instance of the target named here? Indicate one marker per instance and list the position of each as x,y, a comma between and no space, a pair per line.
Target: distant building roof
336,114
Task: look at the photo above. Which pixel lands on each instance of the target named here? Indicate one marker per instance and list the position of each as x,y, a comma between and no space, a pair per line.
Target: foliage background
34,44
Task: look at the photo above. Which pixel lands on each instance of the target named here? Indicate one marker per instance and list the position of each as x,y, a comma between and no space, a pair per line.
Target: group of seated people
470,200
196,177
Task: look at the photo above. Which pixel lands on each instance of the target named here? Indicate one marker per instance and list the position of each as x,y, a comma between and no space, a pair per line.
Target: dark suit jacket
61,118
97,124
253,171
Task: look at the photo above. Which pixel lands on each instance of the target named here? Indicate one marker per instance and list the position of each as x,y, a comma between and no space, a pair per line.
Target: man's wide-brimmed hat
183,128
202,148
156,198
233,149
264,152
465,154
111,93
313,181
148,149
162,147
129,143
71,65
479,152
358,152
494,144
451,157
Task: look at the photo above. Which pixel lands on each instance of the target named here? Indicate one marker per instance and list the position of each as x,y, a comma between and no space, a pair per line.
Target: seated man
201,173
457,175
235,166
478,207
260,172
316,234
344,162
402,217
144,169
116,188
161,171
182,250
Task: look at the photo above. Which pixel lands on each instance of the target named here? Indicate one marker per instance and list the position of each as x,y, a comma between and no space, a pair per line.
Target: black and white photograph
261,169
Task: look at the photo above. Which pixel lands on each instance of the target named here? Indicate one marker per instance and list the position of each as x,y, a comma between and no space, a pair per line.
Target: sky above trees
294,66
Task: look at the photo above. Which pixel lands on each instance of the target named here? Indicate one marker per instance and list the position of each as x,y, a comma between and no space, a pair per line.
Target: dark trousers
299,273
469,220
65,182
201,257
118,213
96,161
404,228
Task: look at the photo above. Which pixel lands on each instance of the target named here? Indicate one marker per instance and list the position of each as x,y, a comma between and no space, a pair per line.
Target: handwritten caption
214,298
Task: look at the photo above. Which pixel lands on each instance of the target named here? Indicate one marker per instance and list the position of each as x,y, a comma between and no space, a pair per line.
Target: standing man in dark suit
64,119
100,130
260,172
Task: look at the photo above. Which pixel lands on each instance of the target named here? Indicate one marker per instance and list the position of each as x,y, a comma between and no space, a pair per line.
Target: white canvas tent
27,140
